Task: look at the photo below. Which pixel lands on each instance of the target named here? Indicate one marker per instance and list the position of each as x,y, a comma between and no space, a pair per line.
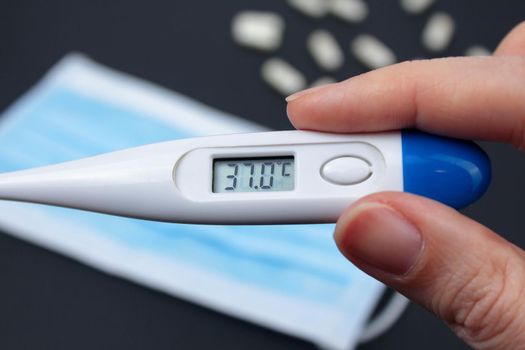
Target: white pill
312,8
353,11
478,50
325,50
282,76
323,81
415,7
438,32
258,30
372,52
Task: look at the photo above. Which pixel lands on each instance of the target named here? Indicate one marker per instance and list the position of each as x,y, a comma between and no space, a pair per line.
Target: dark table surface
51,302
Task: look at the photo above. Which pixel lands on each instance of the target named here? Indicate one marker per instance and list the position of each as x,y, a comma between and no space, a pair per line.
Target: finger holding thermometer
259,178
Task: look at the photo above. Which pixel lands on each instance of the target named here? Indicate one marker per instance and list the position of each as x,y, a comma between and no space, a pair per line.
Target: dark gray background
51,302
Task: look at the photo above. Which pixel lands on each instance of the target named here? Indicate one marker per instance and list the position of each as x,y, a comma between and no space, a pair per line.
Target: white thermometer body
259,178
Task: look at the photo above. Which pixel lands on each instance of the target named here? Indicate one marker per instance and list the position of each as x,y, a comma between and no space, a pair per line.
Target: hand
460,270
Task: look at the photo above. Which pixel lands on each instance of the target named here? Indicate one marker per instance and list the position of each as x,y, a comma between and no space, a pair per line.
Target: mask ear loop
385,319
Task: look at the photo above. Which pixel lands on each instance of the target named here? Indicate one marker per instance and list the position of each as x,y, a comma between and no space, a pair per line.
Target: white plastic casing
172,181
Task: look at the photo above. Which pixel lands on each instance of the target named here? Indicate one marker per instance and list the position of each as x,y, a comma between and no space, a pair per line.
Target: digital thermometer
258,178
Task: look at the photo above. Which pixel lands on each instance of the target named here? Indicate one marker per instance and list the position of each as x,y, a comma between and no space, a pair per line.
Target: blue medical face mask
289,278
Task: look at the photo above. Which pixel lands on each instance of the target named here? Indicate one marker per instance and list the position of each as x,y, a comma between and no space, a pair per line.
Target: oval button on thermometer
346,170
259,178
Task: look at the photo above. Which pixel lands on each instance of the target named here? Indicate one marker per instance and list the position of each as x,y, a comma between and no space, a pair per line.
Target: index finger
474,98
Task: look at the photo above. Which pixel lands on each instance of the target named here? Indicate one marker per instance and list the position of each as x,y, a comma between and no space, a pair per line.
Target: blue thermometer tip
451,171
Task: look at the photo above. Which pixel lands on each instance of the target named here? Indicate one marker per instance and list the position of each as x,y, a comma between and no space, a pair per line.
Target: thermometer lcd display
253,174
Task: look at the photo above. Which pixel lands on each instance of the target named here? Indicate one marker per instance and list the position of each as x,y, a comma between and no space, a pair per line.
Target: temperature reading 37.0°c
253,174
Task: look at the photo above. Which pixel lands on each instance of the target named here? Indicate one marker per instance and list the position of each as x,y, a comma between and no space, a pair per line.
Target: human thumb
458,269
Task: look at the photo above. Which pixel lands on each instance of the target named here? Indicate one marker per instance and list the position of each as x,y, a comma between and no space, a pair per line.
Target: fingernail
305,92
377,236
